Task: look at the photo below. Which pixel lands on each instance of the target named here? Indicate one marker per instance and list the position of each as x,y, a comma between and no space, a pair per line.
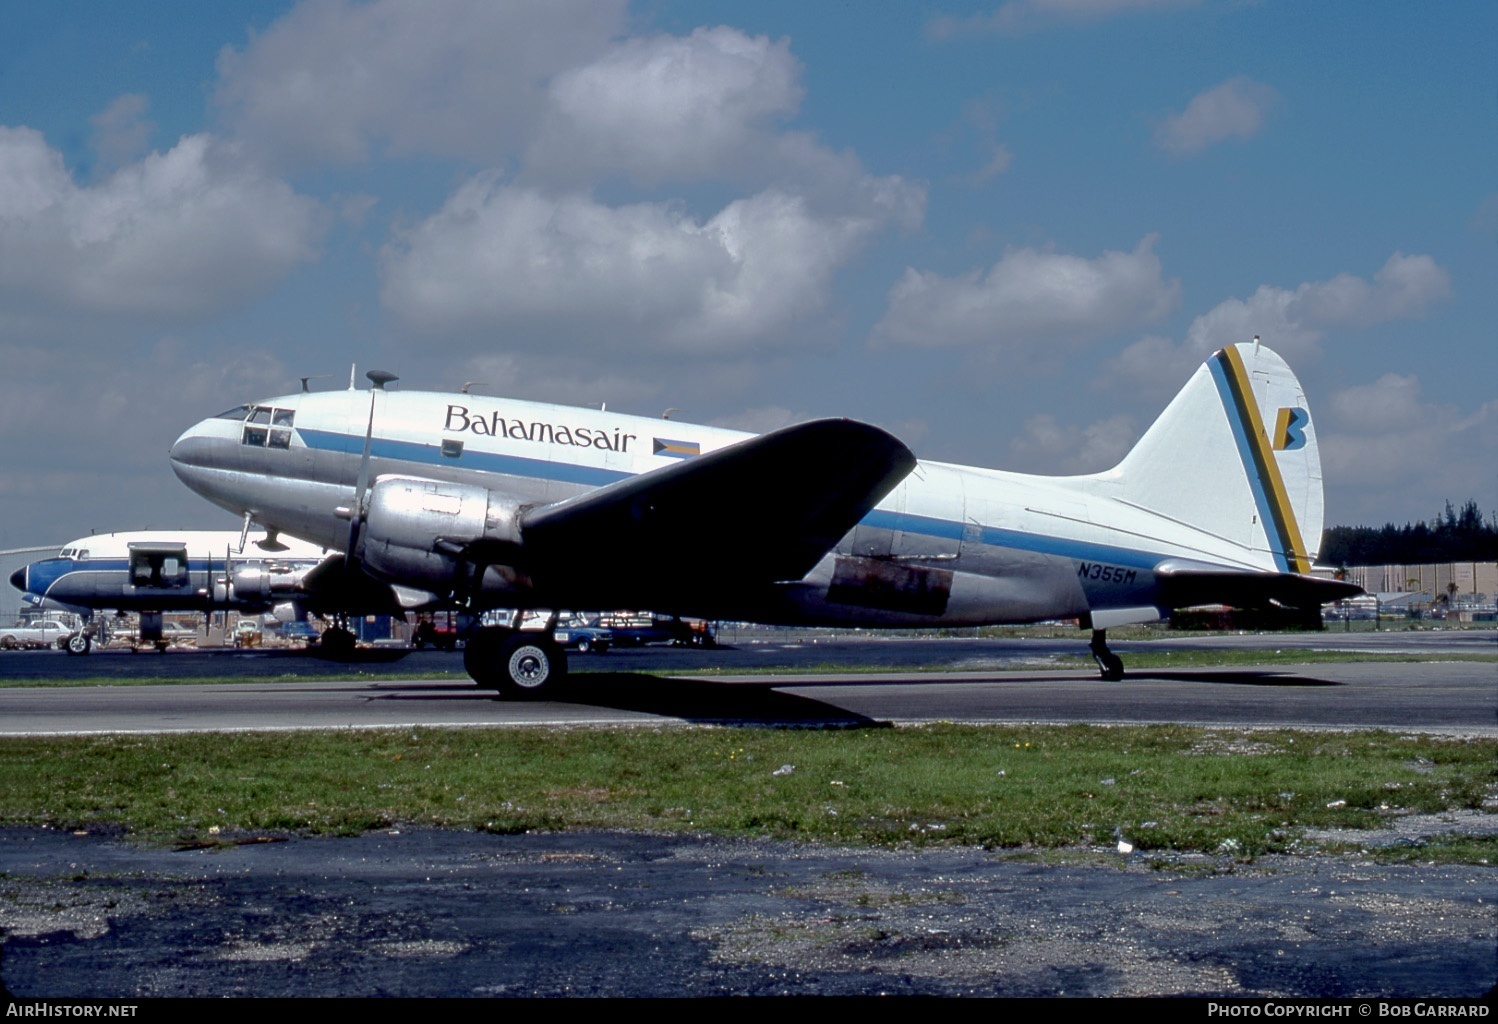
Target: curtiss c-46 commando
487,503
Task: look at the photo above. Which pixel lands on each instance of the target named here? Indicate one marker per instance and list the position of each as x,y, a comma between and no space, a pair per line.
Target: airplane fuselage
948,545
157,570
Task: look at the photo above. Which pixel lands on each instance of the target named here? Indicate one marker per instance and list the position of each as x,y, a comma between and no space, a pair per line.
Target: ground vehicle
441,635
247,633
41,633
638,629
583,637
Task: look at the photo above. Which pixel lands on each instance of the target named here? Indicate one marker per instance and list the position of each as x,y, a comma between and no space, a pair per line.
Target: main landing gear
1108,663
521,665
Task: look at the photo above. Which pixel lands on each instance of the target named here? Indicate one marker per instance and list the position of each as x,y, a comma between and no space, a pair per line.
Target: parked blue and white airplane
489,503
156,571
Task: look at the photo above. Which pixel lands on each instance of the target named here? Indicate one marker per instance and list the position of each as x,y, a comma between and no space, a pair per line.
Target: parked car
441,635
38,634
584,638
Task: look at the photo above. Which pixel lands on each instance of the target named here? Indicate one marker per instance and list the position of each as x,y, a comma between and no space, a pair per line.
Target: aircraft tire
1113,669
337,642
79,643
520,666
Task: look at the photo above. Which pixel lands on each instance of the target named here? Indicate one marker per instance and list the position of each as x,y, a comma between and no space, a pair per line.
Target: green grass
1243,793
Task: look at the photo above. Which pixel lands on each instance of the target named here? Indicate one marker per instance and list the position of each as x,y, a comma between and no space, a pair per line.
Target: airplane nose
18,579
189,453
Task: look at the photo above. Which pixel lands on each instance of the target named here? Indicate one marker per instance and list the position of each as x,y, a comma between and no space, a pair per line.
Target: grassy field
1235,792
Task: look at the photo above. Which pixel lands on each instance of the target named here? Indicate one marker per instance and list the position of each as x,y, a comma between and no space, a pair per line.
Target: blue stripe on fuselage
488,462
542,469
44,576
997,537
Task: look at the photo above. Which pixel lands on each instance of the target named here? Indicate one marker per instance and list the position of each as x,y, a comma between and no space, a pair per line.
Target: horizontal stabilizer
1185,584
757,512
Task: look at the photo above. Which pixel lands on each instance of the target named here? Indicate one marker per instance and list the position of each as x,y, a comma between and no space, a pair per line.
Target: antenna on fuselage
470,383
352,367
667,414
315,376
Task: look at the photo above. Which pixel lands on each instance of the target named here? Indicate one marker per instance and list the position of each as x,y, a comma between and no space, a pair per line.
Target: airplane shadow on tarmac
1239,678
760,704
695,700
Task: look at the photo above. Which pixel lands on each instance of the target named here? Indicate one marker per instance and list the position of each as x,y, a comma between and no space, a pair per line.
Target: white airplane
156,571
485,503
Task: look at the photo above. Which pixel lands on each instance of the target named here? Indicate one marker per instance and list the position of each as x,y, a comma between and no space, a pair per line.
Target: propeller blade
379,378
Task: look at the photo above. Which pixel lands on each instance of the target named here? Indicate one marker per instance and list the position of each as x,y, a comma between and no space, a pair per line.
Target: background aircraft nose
18,579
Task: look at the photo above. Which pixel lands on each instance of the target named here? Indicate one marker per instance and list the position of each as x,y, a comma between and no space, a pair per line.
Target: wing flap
763,510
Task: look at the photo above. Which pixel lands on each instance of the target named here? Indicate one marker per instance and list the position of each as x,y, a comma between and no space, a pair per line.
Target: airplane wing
1184,584
334,586
761,511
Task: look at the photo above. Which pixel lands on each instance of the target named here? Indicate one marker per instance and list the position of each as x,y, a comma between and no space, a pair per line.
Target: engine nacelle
262,583
421,533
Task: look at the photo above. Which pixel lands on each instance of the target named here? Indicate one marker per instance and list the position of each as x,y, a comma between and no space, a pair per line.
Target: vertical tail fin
1234,455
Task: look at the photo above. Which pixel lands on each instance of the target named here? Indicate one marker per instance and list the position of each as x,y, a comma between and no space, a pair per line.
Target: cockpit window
239,412
267,427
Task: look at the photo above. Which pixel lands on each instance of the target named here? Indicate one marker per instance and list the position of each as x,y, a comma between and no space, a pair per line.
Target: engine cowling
434,535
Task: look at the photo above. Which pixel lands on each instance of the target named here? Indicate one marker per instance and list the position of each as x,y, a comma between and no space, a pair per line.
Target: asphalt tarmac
459,914
916,681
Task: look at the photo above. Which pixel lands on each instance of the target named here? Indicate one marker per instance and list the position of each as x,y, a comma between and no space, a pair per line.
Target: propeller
379,378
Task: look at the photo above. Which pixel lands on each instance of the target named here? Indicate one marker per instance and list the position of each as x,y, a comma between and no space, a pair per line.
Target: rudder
1234,456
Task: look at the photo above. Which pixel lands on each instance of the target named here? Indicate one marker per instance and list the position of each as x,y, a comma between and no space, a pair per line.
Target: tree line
1453,536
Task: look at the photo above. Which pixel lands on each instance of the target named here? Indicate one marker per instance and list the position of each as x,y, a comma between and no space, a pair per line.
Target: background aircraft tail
1234,455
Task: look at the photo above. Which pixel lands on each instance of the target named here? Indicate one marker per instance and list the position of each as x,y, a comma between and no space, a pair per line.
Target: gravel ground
422,913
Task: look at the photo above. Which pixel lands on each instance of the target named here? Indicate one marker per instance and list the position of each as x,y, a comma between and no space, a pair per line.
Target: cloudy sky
1007,231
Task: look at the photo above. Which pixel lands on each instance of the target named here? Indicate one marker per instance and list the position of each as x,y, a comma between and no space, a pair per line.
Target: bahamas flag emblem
675,449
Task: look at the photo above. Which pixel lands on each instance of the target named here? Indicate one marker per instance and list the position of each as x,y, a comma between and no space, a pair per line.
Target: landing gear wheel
337,642
533,667
79,643
521,666
1109,664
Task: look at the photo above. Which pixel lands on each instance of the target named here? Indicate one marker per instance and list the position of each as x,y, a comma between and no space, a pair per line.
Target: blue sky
1006,231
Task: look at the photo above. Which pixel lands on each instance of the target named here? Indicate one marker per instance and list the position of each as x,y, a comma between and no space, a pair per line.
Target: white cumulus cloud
185,233
1294,320
1235,109
1046,446
336,81
1030,295
513,262
671,107
1384,435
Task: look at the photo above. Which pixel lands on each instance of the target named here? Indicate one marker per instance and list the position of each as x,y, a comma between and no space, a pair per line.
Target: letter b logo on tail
1290,429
